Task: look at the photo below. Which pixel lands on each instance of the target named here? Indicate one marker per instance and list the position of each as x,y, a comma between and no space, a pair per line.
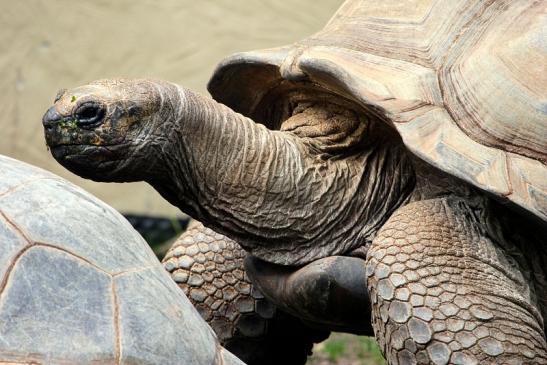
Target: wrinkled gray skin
78,285
451,274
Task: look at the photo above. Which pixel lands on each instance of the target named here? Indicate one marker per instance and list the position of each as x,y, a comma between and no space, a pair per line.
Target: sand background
46,45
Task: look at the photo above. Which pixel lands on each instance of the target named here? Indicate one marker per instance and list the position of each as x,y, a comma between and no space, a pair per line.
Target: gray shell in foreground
78,285
463,82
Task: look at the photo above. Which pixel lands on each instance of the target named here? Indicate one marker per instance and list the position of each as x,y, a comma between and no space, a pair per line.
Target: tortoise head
97,127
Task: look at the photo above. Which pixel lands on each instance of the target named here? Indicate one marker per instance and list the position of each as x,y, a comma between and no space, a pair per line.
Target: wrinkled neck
273,192
220,167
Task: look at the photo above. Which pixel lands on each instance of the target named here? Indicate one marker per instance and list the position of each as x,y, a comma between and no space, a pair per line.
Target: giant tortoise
408,135
78,285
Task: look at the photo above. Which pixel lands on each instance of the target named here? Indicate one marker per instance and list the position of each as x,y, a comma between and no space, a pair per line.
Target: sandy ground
46,45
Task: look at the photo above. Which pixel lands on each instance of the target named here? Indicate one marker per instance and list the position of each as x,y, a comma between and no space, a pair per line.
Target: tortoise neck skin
288,196
321,186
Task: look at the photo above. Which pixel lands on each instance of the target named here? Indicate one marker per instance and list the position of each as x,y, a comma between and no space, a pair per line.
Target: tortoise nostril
51,117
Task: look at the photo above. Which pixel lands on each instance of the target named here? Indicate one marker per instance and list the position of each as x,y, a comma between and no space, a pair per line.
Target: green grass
369,349
346,349
334,349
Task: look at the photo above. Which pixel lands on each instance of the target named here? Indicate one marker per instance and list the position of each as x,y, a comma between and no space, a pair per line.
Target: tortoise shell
463,82
79,285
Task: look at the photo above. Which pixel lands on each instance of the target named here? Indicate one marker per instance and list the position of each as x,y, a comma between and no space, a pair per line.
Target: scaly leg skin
208,267
443,292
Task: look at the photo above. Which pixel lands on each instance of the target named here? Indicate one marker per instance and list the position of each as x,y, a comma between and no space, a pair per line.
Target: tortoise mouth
89,161
71,150
88,152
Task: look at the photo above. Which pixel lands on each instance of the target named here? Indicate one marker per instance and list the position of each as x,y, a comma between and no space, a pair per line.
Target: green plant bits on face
70,123
73,99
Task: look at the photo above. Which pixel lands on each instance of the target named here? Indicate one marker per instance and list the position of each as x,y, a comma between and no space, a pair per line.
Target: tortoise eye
90,114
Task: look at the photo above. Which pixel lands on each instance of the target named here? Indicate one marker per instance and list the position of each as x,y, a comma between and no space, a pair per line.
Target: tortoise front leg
208,267
444,292
328,293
